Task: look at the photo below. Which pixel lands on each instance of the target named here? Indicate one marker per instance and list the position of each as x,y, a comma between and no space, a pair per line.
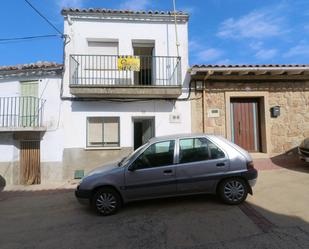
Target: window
156,155
198,149
102,47
103,132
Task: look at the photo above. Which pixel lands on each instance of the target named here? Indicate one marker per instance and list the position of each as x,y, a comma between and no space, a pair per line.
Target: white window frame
103,145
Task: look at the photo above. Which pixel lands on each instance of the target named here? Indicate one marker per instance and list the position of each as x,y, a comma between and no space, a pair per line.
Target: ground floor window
103,132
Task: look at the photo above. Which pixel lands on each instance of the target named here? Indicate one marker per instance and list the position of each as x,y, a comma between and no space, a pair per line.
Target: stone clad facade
278,134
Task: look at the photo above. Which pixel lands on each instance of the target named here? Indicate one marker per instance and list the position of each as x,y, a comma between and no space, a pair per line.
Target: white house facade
124,82
30,129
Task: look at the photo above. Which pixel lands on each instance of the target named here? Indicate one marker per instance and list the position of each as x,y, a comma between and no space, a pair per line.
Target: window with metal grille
103,132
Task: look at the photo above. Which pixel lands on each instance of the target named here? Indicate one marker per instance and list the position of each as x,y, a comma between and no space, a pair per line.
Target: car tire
233,191
106,201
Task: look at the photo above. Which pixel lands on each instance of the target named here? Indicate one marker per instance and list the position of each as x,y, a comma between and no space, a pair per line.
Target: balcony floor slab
22,129
137,92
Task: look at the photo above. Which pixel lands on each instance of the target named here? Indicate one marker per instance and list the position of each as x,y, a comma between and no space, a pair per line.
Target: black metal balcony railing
21,112
104,70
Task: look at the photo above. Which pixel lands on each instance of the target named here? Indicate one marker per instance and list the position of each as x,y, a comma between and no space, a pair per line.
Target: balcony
110,76
21,114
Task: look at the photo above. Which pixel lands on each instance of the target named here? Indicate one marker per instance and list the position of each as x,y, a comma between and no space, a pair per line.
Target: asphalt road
55,220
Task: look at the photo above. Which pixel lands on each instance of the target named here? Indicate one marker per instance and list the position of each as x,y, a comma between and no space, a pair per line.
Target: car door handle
168,171
220,164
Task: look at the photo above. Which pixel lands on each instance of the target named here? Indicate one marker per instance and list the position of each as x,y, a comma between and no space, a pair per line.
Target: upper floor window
198,149
97,47
103,132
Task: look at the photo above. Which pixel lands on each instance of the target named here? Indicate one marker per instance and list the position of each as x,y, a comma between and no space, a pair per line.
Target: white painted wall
75,120
126,31
52,142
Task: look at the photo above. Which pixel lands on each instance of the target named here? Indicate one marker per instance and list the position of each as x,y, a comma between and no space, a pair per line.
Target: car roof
177,136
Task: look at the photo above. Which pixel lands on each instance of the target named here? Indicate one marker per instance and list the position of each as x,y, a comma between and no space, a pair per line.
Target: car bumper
83,196
252,182
250,175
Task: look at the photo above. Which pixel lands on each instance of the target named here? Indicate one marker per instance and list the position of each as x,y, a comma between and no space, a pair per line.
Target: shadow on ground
291,161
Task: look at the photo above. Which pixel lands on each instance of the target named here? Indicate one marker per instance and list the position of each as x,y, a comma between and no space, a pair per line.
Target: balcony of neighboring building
21,113
117,76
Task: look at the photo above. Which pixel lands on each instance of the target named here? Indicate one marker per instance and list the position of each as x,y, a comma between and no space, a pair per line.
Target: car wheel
106,201
233,191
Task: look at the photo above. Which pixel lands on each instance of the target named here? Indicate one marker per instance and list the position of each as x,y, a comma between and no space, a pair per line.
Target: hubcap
234,190
106,203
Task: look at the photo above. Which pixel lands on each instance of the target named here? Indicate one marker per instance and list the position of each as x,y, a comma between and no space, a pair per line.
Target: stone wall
213,100
288,130
284,133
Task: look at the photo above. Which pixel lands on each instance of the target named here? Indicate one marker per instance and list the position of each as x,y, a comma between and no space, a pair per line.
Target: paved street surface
277,216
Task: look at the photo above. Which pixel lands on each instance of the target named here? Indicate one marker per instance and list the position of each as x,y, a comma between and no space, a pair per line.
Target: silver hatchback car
171,166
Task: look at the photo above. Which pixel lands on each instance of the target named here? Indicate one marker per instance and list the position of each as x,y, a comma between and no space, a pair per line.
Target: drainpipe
209,73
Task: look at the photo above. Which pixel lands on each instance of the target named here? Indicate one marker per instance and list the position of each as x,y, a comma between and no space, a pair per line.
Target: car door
200,164
152,174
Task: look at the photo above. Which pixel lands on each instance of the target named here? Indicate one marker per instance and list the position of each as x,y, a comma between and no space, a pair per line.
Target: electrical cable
25,39
45,18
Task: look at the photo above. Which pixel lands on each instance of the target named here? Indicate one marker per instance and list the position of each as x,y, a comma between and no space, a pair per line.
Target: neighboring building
114,103
263,108
30,138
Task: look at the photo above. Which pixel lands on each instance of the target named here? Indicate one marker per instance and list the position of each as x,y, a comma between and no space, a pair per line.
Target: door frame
263,111
143,118
256,131
142,43
34,154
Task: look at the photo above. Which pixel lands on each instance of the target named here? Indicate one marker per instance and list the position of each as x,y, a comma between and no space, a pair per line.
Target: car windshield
127,158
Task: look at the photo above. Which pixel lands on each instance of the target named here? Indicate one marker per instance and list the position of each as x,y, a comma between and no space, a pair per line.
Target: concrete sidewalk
39,189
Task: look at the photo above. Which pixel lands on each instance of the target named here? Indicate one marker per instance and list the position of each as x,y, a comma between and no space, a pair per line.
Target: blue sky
220,31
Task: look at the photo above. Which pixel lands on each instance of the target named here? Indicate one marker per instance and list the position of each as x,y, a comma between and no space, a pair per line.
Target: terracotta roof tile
31,66
66,11
250,66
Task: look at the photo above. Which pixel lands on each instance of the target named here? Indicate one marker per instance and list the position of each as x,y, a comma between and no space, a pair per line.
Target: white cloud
258,24
256,45
224,62
302,49
209,54
194,45
135,4
187,9
262,53
71,3
266,54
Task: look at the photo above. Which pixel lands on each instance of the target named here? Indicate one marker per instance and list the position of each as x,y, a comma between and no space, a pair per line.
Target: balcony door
29,103
145,75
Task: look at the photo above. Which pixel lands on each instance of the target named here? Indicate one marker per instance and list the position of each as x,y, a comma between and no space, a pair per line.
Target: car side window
156,155
215,151
198,149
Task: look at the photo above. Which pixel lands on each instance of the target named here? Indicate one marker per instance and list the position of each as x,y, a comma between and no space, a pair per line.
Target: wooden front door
30,162
245,123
